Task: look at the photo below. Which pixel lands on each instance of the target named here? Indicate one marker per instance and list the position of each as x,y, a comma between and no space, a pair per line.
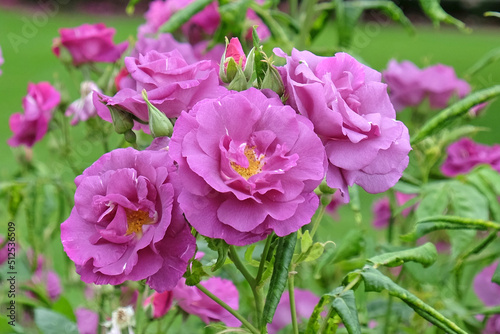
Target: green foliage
182,16
425,254
50,322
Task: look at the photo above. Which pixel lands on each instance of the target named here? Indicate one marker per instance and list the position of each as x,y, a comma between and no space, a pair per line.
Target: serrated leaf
283,258
377,282
50,322
443,119
345,306
425,254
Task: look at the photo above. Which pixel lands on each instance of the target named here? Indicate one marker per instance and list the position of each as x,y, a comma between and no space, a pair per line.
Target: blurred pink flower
38,106
89,43
87,321
305,301
402,198
381,213
352,114
410,85
195,302
485,289
1,60
333,206
465,154
83,108
160,303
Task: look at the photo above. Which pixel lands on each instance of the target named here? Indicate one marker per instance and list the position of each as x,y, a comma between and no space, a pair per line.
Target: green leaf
50,322
195,274
248,256
283,258
466,201
63,307
494,14
376,281
349,247
345,306
434,201
183,15
489,58
313,325
305,241
436,13
484,186
221,247
425,254
453,112
496,275
275,28
5,328
347,18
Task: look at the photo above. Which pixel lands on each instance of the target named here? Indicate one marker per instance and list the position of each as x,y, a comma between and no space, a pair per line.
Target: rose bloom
352,114
249,166
205,22
195,302
126,223
89,43
160,303
83,108
38,106
489,293
465,154
305,302
172,85
410,85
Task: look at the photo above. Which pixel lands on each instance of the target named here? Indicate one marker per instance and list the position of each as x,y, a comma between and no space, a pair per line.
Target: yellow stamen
135,220
254,164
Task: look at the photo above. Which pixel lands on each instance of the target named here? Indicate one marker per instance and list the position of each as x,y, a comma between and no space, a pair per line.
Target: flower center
135,220
254,164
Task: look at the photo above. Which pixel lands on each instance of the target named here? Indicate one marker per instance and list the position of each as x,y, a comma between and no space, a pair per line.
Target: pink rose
352,114
465,154
381,213
38,106
305,302
160,303
172,85
89,43
409,85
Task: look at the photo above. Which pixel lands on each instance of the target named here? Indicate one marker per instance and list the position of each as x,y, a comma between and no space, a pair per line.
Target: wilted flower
465,154
352,114
38,106
249,166
126,224
195,302
87,321
171,83
122,318
305,301
83,108
89,43
410,85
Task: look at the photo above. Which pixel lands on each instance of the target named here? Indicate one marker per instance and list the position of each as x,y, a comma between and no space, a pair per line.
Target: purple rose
203,23
193,301
352,114
38,106
87,321
493,325
172,85
83,108
89,43
409,85
249,166
465,154
305,301
126,223
381,213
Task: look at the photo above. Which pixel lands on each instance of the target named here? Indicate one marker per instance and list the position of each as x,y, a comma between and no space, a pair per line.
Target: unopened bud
159,124
272,80
122,121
